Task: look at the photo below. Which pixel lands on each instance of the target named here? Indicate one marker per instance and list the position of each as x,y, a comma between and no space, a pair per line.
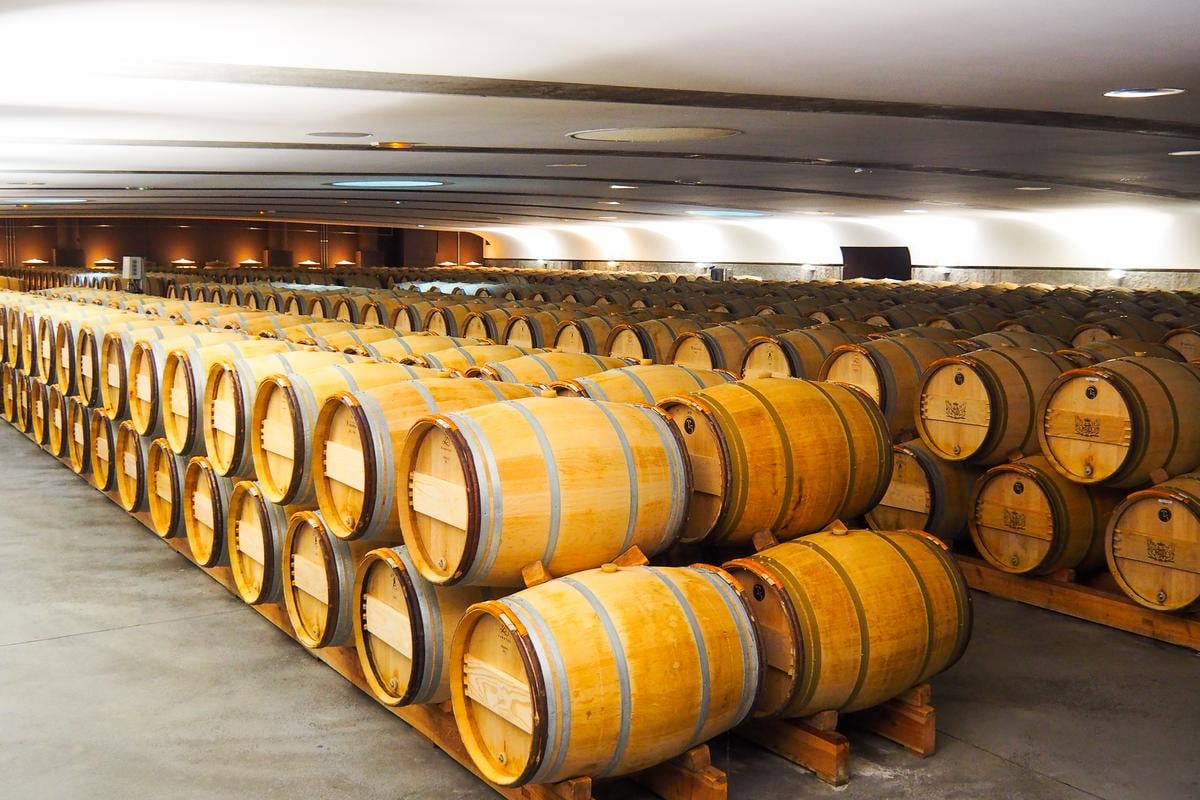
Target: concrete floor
127,673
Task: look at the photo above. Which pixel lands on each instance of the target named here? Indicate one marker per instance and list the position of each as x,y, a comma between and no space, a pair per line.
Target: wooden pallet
690,776
815,743
1099,603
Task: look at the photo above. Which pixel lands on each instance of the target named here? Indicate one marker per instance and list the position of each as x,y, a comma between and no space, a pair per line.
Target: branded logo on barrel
1162,552
1014,519
956,409
1086,426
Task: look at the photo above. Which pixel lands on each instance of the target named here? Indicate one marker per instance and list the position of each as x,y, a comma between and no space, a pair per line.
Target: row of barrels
982,406
472,483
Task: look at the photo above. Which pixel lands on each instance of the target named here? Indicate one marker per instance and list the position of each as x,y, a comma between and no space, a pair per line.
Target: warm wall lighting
473,264
308,262
446,264
345,262
34,262
104,262
1134,94
614,263
393,145
250,262
184,262
1116,274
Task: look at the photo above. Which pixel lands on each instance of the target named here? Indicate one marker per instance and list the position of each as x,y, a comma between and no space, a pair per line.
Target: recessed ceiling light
621,186
1133,94
48,201
1185,153
25,183
652,134
724,212
137,188
339,134
566,166
1034,188
256,229
610,202
387,183
104,225
817,213
393,145
183,226
915,211
420,226
605,219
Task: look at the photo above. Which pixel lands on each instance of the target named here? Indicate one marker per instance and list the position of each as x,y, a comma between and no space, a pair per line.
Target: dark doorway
876,262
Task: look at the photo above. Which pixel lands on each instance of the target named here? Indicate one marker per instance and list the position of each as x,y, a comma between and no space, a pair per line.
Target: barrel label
956,409
1087,426
1162,552
1014,520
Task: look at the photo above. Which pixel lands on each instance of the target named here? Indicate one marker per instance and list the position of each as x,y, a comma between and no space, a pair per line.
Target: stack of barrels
484,493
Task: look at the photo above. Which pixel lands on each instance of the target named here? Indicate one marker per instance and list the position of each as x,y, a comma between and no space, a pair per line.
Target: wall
1140,240
230,242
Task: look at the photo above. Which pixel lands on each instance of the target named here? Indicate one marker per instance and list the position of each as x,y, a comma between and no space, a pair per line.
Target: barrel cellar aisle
110,637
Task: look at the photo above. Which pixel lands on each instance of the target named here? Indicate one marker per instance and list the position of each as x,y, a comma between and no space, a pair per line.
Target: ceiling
204,109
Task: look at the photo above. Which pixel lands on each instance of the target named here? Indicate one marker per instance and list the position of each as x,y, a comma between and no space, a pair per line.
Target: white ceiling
207,105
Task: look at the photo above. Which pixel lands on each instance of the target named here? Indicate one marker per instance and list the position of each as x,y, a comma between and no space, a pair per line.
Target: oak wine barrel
1152,545
130,460
850,619
543,369
644,383
779,454
1027,519
580,482
205,502
164,488
79,443
566,679
926,493
254,543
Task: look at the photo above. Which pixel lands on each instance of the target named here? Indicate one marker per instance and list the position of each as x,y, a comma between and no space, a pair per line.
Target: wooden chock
1159,475
535,573
690,776
826,753
763,539
909,721
633,557
573,789
838,527
1015,455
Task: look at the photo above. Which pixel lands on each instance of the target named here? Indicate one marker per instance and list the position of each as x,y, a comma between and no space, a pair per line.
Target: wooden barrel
463,357
1127,327
79,443
147,363
184,381
90,344
537,328
779,454
415,344
8,391
793,354
543,369
318,572
580,482
1045,322
1011,338
254,543
1027,519
271,326
1152,545
115,352
357,340
285,415
58,428
645,383
357,435
39,410
904,316
312,333
858,310
979,319
1185,341
164,488
926,493
720,346
488,323
130,461
564,679
585,334
449,319
850,619
380,310
205,502
228,406
66,344
650,339
889,371
24,401
403,627
1108,349
1123,422
982,407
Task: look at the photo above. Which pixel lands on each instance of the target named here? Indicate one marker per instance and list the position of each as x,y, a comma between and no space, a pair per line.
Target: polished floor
127,673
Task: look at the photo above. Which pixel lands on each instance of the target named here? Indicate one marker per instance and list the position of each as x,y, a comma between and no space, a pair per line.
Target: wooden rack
690,776
815,743
1100,602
